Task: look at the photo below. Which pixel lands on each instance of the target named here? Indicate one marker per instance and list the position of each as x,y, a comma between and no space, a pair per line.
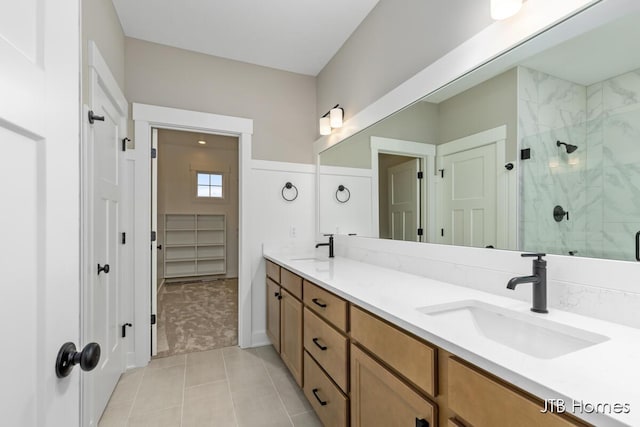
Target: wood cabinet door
291,334
379,398
273,313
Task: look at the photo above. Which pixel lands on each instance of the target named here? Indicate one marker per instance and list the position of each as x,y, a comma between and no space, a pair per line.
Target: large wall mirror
534,153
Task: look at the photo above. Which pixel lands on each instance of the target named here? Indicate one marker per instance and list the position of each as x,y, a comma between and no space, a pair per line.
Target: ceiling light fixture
202,142
503,9
332,119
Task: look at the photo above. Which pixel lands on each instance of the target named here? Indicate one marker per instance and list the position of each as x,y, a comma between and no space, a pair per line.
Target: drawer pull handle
315,393
317,302
320,346
277,295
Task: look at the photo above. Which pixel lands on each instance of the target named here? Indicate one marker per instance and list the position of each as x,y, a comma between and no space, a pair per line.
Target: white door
154,244
39,218
104,146
468,203
404,201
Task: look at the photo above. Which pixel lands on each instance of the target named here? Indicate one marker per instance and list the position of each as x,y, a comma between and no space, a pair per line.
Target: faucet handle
539,255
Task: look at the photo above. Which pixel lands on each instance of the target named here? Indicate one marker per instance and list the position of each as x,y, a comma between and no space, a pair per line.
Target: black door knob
68,357
93,117
104,268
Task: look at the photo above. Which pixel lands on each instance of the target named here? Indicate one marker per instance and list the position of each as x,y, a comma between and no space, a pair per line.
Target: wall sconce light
503,9
332,119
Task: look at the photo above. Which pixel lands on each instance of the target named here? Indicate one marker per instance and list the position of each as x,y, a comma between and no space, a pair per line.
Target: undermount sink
524,332
319,259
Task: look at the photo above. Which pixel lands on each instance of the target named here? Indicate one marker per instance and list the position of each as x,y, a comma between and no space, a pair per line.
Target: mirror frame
539,26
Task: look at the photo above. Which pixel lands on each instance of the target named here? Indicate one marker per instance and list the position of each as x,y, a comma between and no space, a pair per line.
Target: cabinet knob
277,295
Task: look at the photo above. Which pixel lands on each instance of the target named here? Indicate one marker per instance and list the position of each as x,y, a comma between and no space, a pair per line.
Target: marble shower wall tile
599,184
622,193
621,137
621,90
528,81
594,101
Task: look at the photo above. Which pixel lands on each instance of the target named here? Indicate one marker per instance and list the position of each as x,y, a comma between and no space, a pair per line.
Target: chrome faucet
538,280
330,244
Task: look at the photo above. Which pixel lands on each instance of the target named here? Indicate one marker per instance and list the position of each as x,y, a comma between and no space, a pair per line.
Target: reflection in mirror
543,156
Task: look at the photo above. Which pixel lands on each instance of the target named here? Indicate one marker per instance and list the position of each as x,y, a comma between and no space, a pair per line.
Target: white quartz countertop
605,373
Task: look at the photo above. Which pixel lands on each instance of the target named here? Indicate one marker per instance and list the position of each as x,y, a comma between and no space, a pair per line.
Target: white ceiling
292,35
595,56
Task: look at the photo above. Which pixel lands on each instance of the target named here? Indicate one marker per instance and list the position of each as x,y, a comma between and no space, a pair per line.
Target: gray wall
490,104
100,23
396,40
485,106
281,104
418,123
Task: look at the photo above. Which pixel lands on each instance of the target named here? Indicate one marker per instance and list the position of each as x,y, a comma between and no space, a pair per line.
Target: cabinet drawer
327,399
410,357
379,398
481,401
327,305
273,271
327,346
291,282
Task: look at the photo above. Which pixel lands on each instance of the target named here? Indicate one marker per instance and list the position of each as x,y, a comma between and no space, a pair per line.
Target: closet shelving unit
195,245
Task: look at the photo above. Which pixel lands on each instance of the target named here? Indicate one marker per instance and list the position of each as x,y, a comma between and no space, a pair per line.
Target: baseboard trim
259,339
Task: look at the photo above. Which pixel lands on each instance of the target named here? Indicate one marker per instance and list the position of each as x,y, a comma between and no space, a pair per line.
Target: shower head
569,147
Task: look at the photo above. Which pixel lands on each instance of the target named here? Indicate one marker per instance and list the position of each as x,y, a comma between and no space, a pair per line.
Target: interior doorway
195,200
146,118
400,197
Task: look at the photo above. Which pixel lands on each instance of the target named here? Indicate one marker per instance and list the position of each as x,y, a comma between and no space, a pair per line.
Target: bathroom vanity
375,346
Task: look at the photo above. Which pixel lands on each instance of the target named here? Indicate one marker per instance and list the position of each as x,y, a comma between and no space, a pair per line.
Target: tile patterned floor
197,316
222,387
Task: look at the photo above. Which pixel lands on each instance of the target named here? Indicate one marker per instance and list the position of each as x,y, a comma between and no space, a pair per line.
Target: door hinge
153,236
442,232
124,329
154,153
123,239
153,319
420,175
420,231
124,143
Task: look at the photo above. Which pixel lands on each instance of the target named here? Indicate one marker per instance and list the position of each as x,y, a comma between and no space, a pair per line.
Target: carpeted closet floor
197,316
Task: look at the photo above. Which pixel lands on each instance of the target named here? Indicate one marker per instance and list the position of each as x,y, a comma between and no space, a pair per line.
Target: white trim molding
145,118
493,50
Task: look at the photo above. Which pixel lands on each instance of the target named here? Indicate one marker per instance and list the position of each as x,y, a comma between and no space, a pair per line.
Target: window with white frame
209,185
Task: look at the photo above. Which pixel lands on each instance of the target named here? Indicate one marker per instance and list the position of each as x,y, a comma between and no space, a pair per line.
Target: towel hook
341,189
289,186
